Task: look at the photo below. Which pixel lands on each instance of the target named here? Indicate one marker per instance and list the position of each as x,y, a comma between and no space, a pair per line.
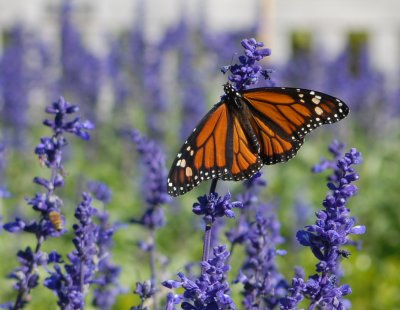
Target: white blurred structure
328,21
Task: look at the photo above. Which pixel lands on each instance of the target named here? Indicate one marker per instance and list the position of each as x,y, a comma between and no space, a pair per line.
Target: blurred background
155,66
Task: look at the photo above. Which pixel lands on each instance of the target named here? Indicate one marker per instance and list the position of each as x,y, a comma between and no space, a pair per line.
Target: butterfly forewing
203,155
283,116
243,162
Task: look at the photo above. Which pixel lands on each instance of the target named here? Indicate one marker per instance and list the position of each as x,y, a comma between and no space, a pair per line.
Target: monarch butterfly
249,129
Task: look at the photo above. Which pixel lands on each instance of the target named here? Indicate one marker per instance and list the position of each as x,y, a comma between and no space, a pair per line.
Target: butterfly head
229,90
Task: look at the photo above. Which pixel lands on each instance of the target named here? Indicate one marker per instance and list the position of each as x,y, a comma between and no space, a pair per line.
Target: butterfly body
239,107
248,129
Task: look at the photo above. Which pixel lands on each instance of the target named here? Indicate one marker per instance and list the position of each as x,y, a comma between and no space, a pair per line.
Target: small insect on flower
56,220
42,160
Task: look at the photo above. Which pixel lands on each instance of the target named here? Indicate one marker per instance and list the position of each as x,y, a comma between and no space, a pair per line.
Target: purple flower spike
60,109
153,158
295,291
336,148
331,231
72,285
16,226
213,206
155,193
263,285
210,290
172,300
144,289
51,222
100,191
246,73
106,281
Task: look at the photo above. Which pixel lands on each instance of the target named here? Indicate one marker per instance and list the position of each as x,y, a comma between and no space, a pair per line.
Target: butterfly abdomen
242,112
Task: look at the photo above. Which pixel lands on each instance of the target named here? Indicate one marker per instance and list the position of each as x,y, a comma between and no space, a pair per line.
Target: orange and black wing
217,148
281,117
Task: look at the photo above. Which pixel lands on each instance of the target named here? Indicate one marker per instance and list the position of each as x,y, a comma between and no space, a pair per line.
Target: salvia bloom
336,148
155,194
153,158
100,191
295,292
331,231
48,204
249,197
172,300
212,206
247,73
107,284
72,285
211,290
145,290
263,284
155,190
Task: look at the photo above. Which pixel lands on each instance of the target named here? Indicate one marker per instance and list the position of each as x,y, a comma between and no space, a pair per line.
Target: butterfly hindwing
243,162
283,116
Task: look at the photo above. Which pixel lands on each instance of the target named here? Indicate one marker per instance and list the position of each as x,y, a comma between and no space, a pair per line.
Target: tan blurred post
267,19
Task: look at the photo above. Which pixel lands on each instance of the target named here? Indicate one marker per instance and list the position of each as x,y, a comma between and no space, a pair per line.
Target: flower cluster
258,230
263,285
249,197
212,206
145,290
247,72
100,191
328,235
60,109
48,204
72,285
336,148
295,292
210,290
153,159
155,194
106,280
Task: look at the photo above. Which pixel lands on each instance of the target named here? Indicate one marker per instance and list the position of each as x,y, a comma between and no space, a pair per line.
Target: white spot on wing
319,111
189,172
315,100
